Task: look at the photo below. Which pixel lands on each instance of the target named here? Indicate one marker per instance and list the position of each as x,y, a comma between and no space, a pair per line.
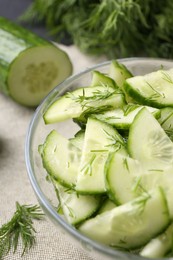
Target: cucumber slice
158,178
61,159
166,121
122,118
76,208
78,139
153,89
148,142
107,205
159,246
99,79
100,139
38,73
29,66
74,103
119,73
121,172
130,225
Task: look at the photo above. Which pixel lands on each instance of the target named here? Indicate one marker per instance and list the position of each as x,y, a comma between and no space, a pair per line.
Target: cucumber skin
22,38
28,39
141,99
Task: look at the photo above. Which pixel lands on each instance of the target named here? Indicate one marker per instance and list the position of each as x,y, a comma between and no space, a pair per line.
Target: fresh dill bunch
117,28
20,227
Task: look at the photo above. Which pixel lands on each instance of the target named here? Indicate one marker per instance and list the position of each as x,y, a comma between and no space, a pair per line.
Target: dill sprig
87,168
130,108
20,227
129,27
141,201
156,94
167,77
97,95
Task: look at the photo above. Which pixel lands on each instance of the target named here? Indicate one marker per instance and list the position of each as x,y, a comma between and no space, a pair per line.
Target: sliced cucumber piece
78,139
119,73
100,79
153,89
100,139
123,117
76,208
130,225
29,66
166,120
106,206
121,172
160,245
74,103
158,178
61,159
148,142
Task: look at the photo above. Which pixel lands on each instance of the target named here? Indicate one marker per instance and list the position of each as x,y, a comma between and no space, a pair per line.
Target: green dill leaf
141,201
128,27
97,95
155,170
20,226
129,108
167,77
125,163
156,94
87,168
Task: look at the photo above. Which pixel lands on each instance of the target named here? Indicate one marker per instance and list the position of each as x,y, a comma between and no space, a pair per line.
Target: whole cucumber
30,66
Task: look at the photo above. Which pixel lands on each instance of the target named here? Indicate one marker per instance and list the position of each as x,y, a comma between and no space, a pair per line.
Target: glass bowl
36,135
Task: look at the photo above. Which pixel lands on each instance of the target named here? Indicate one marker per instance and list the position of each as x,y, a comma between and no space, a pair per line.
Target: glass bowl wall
37,133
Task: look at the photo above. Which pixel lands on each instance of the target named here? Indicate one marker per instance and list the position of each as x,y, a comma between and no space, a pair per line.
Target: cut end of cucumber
35,72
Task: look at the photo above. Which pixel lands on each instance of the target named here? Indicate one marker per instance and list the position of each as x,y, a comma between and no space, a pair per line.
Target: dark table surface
12,9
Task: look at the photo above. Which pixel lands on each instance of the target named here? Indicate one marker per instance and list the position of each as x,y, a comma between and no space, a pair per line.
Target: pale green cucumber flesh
123,117
160,245
106,206
119,73
76,208
100,79
61,159
153,89
100,138
166,120
75,103
78,139
130,225
148,142
121,173
35,72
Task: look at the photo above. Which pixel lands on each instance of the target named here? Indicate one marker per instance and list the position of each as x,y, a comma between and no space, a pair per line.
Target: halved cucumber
38,73
130,225
76,208
153,89
100,139
29,66
61,159
148,142
74,103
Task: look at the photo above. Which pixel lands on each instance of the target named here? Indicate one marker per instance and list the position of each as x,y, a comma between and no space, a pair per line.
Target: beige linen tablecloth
14,182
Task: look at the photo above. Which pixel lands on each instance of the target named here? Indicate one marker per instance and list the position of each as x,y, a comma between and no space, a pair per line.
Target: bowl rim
105,250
